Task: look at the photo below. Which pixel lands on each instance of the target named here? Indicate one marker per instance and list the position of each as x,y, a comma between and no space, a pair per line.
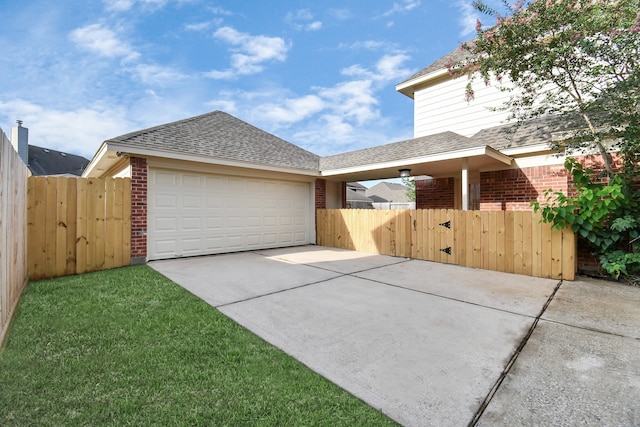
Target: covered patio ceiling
447,164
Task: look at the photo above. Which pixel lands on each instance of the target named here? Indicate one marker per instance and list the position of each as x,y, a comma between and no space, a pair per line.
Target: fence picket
494,240
77,225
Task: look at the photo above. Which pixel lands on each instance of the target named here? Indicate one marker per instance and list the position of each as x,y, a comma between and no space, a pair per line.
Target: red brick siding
139,186
515,189
435,193
321,194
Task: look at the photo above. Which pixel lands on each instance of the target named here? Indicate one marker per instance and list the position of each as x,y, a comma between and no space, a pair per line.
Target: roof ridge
124,137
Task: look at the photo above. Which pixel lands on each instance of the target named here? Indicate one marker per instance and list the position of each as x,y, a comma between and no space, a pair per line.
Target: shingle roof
531,132
356,185
412,148
218,134
454,56
354,196
44,161
388,192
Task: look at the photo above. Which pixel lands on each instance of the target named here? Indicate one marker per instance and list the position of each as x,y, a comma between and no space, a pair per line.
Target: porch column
465,184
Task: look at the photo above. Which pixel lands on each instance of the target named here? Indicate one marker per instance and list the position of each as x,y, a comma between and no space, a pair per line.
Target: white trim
207,159
95,160
207,168
402,87
516,151
544,160
450,155
465,184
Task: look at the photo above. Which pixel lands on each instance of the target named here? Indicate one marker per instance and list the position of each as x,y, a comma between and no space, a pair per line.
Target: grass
129,347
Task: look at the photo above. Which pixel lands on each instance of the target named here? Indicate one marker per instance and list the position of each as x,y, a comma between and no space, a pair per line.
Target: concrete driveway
435,344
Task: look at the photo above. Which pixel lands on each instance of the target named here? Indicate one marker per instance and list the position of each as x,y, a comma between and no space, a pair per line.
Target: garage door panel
165,179
192,201
191,224
197,214
165,224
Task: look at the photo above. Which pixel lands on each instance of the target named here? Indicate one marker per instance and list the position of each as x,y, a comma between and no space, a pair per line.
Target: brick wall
435,193
139,186
515,189
321,194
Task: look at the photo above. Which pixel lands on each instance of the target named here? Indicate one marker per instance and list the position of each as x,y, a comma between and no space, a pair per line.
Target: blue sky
319,74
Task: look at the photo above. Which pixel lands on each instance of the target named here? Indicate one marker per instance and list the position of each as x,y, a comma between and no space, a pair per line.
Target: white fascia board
449,155
146,152
402,87
542,160
95,160
497,155
526,150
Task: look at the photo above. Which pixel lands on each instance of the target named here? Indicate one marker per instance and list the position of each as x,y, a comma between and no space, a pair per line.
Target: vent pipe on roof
20,141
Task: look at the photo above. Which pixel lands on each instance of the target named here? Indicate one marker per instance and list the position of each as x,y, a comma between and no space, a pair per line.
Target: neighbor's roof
412,148
218,134
354,196
388,192
44,161
356,185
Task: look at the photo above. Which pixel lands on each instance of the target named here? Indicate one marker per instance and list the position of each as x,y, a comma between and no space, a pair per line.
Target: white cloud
118,5
368,45
251,52
303,19
77,131
157,75
291,110
388,68
314,26
199,26
227,105
340,14
220,11
329,119
124,5
405,6
98,39
353,100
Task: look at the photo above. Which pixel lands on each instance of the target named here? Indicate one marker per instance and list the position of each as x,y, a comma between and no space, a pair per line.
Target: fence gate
434,235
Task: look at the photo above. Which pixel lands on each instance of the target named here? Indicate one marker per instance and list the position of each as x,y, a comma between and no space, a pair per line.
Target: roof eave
403,163
147,152
408,86
95,161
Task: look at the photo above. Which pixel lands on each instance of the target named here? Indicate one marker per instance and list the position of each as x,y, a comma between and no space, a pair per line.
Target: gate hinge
446,224
446,250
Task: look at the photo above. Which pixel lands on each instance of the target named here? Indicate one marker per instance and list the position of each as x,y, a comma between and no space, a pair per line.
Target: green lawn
129,347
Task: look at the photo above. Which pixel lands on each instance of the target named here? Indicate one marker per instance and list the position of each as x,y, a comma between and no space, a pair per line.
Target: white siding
442,107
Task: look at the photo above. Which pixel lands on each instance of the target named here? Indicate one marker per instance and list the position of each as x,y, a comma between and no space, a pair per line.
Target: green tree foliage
575,57
604,216
411,189
578,59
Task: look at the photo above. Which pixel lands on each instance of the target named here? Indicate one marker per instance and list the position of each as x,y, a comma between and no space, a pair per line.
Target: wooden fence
77,225
510,241
13,231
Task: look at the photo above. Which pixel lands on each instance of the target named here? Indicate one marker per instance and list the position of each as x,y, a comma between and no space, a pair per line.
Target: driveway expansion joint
474,421
278,292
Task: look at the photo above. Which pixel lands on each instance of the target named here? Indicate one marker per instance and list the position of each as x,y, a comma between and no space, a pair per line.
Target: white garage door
197,214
